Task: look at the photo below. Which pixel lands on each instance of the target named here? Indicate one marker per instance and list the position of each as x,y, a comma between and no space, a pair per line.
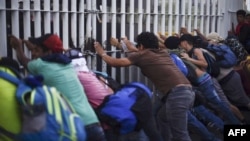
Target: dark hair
241,12
10,64
187,37
172,42
199,42
48,42
39,41
148,40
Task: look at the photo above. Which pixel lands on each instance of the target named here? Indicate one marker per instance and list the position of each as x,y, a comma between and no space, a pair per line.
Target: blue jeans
201,129
173,116
207,117
208,90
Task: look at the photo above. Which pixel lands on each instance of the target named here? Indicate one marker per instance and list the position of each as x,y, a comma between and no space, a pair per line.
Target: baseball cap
48,41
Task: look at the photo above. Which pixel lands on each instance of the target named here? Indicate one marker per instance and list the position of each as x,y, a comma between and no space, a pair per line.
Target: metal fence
76,20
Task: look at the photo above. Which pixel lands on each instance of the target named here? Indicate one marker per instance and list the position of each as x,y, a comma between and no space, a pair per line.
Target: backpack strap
8,134
9,77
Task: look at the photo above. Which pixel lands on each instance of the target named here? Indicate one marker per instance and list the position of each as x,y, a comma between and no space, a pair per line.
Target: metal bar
73,22
155,25
170,17
163,17
47,17
26,24
213,16
207,20
37,19
123,34
3,29
56,24
148,5
113,32
65,24
202,3
177,17
183,9
81,24
189,16
195,14
94,30
14,22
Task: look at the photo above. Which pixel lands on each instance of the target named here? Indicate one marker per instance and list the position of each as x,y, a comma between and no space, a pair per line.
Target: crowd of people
187,98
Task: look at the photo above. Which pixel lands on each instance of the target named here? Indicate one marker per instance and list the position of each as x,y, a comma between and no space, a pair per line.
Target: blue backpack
179,63
223,54
122,109
46,115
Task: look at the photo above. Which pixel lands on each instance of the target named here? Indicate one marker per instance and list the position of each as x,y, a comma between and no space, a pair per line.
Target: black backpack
213,67
237,48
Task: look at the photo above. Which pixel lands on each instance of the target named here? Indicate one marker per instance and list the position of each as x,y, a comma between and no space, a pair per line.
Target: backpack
112,83
223,54
179,63
122,110
213,67
237,48
46,115
191,75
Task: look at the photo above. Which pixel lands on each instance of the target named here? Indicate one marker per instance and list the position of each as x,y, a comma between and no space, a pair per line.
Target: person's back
95,89
174,89
64,78
10,117
57,71
167,75
204,81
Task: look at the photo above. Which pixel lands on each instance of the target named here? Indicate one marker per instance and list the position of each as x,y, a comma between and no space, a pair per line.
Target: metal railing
76,20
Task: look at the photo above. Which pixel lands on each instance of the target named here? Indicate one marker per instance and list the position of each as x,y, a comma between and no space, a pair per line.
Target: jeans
208,118
208,90
95,132
200,128
233,89
173,116
133,136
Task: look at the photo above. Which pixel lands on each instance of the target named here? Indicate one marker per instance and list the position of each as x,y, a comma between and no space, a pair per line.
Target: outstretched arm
130,46
200,34
115,62
16,44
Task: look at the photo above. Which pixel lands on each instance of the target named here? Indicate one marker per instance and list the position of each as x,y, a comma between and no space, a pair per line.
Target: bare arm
16,44
200,61
130,46
200,34
115,42
115,62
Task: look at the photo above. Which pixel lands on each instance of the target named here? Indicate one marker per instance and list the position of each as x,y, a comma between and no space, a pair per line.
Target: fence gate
77,20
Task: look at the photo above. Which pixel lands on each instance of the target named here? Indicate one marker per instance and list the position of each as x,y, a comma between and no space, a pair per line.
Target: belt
177,88
180,87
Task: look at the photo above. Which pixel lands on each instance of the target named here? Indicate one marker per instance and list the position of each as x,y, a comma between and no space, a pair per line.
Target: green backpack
46,115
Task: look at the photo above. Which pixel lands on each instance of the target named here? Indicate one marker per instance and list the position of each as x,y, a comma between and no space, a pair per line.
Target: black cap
73,53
